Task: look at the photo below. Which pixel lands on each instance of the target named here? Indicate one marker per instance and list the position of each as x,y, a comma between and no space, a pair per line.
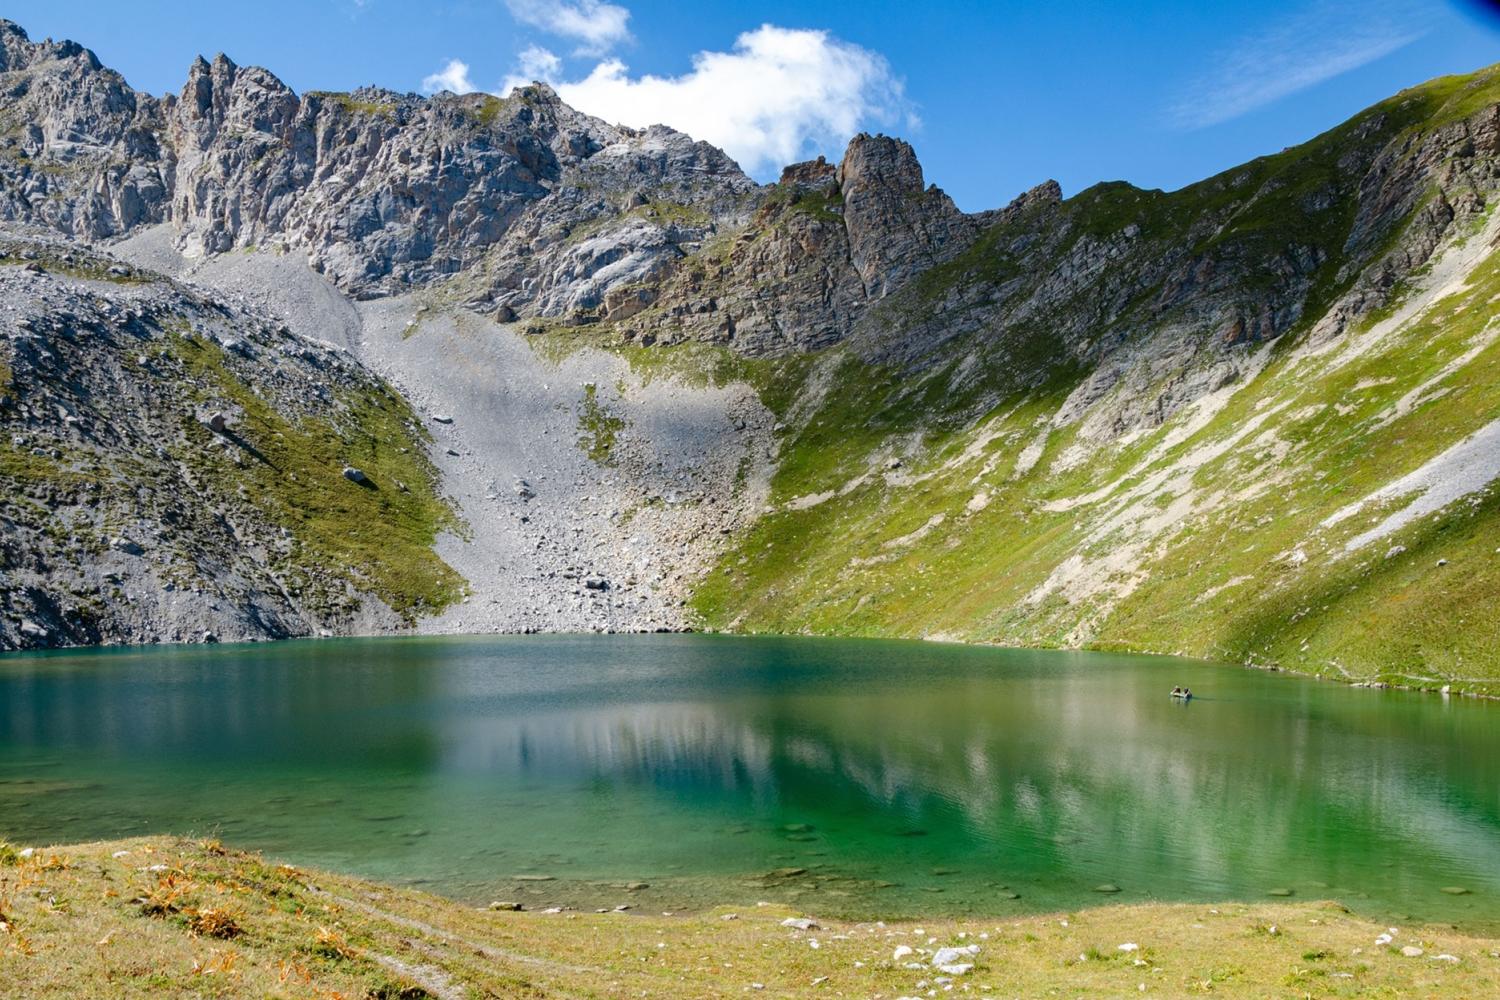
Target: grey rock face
896,227
532,209
80,151
379,190
785,282
823,245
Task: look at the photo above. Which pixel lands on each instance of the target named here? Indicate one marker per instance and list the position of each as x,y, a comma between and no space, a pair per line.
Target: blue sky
995,96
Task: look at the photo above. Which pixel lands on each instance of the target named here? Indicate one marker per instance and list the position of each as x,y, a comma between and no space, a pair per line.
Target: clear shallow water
906,778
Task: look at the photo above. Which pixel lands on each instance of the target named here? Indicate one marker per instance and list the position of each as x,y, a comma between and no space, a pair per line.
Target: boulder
955,961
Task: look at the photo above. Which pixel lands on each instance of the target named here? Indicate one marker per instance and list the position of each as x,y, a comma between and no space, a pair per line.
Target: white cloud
454,77
536,63
1326,40
596,26
781,94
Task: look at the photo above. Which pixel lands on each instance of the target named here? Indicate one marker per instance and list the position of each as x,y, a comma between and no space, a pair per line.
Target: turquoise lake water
902,778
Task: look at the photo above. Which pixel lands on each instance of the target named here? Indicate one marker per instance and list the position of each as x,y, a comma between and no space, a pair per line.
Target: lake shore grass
167,917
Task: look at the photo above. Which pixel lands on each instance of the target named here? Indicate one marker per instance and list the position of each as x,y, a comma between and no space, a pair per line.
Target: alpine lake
855,778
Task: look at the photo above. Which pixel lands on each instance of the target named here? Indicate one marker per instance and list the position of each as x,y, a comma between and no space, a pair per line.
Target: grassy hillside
168,918
970,496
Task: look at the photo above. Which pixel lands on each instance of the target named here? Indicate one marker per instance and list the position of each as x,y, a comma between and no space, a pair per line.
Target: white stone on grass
953,960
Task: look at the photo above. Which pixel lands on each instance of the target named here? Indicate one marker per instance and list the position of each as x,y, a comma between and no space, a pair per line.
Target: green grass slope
953,501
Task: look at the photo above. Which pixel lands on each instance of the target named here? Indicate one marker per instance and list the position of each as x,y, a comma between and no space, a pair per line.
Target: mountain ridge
1065,408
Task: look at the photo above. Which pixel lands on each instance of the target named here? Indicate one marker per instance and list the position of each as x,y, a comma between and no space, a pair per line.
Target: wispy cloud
596,26
453,77
778,95
1322,42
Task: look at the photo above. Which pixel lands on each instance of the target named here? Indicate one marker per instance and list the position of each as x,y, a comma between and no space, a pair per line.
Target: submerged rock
782,873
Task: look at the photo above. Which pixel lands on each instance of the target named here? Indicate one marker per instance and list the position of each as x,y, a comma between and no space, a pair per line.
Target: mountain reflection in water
904,777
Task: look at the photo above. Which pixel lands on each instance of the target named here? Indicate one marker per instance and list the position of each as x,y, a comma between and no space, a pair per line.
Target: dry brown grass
214,923
165,897
331,944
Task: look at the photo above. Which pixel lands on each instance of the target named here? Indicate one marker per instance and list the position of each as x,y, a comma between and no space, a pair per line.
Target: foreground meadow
165,917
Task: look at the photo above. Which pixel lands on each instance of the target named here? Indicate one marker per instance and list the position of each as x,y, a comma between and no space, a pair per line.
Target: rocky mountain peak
879,162
810,174
15,46
221,93
18,51
1047,192
537,92
896,226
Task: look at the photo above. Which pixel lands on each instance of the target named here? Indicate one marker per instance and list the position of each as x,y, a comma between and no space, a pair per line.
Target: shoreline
1374,684
164,916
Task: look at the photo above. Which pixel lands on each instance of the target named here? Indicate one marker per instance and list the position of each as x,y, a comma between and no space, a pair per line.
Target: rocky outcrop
825,243
785,282
80,151
897,228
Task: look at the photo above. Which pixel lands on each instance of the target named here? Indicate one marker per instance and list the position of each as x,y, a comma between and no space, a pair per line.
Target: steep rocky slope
177,468
1253,418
